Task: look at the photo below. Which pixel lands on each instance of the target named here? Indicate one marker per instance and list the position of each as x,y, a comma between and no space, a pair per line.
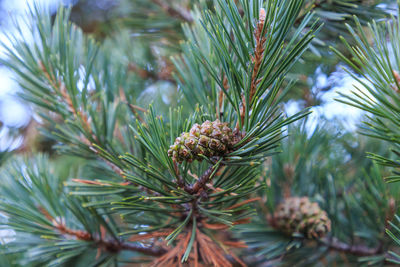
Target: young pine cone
209,139
299,215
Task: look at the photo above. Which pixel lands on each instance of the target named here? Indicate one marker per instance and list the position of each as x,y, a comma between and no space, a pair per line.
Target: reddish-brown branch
164,233
215,226
79,234
396,76
356,249
59,87
235,244
221,226
133,108
257,59
114,167
164,75
258,53
152,251
390,212
91,182
179,13
201,182
108,245
244,203
81,115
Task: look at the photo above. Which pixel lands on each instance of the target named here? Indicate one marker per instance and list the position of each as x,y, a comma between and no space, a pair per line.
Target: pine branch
107,245
95,111
153,251
258,53
179,13
202,181
355,249
132,107
164,75
257,61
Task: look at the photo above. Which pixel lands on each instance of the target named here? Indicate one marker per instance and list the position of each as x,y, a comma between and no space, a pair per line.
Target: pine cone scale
208,139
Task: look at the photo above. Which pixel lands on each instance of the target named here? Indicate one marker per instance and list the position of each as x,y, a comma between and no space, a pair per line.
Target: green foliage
378,65
395,258
354,195
335,15
120,196
82,87
38,207
230,58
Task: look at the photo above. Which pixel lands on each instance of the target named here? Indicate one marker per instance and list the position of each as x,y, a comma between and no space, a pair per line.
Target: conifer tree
170,147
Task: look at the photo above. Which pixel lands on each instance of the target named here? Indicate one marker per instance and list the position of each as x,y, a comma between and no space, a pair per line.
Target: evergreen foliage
203,173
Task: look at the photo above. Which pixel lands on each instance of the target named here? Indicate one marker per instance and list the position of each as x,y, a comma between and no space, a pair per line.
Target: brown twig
390,212
221,226
237,205
114,246
257,59
258,53
357,250
396,76
152,251
59,87
91,182
179,13
164,75
201,182
81,115
134,109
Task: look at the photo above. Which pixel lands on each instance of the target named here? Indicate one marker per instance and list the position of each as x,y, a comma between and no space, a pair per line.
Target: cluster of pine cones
208,139
300,215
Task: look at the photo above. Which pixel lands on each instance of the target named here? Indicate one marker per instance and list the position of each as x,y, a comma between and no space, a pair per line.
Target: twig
132,107
257,61
91,182
179,13
152,251
81,115
62,90
108,245
237,205
163,233
201,182
258,53
357,250
164,75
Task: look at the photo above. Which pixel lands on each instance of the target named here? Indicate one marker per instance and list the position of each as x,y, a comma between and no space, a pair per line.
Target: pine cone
209,139
299,215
